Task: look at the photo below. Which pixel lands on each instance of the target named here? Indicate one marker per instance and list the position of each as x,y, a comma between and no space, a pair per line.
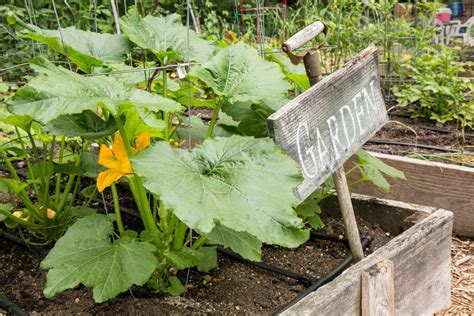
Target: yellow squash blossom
117,160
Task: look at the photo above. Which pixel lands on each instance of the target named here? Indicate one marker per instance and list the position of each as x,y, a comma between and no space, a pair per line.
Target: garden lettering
348,123
323,127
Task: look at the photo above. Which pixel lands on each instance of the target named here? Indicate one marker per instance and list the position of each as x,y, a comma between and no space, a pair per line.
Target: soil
234,288
402,128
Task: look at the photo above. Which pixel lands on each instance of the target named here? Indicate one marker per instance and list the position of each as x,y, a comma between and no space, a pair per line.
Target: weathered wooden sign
321,128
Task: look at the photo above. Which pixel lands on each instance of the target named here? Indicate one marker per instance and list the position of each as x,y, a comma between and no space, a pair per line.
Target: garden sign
321,128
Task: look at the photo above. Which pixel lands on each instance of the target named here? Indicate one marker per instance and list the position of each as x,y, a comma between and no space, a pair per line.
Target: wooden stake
378,294
313,68
345,203
116,17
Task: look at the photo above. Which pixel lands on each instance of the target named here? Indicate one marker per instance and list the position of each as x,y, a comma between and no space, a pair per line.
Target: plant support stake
313,68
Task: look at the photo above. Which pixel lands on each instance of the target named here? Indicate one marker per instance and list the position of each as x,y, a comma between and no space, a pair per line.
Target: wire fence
256,19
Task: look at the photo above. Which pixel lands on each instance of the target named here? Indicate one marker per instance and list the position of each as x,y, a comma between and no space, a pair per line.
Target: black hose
330,237
305,279
366,241
11,307
435,129
21,242
389,142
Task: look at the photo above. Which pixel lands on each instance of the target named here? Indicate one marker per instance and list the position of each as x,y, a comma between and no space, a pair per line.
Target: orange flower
117,160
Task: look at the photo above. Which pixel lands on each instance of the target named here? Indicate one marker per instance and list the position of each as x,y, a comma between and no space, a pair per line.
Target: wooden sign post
321,128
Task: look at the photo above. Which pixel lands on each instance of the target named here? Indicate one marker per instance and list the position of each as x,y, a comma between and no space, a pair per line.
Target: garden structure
191,157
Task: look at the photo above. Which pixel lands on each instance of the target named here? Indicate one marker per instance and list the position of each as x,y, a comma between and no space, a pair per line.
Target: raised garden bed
433,184
420,251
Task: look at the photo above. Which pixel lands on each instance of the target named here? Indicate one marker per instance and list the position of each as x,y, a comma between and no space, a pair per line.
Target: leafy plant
45,210
235,190
237,74
435,87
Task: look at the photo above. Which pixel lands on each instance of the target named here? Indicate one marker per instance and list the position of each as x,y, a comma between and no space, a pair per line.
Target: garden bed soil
402,128
234,288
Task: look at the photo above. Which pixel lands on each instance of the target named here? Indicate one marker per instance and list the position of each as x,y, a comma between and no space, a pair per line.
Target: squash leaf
242,183
57,91
242,243
239,74
85,254
165,36
86,124
86,49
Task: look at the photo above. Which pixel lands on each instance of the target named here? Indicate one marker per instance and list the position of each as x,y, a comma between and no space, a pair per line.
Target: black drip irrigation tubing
11,307
389,142
435,129
366,241
5,303
312,283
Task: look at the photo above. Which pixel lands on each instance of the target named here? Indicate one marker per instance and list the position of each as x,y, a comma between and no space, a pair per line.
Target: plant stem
23,195
28,163
117,209
138,190
199,242
166,115
58,175
215,116
74,193
65,193
179,235
33,144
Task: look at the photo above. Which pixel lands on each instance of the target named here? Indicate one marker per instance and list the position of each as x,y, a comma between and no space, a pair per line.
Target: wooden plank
429,183
421,259
378,294
324,126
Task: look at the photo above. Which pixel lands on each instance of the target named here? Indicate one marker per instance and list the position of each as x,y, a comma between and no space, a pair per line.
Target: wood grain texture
324,126
304,36
378,294
421,259
429,183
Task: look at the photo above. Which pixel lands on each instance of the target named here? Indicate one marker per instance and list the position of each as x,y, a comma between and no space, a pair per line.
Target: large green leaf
86,255
242,183
165,36
238,73
85,49
197,130
243,243
57,91
86,124
252,117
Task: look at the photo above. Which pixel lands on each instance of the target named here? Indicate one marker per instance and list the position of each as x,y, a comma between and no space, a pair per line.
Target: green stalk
140,193
74,193
93,195
179,235
67,189
215,116
58,175
199,242
65,193
23,196
166,115
117,209
18,220
33,144
28,163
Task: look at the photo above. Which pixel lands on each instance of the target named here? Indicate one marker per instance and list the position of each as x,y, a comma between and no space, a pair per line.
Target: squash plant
235,191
